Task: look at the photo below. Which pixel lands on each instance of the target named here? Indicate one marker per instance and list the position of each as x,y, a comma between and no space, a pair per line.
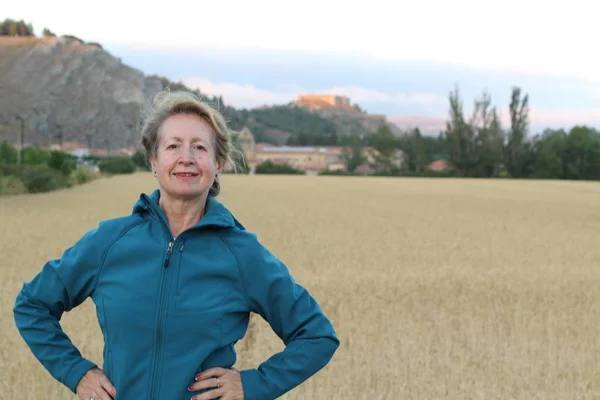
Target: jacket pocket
108,366
223,357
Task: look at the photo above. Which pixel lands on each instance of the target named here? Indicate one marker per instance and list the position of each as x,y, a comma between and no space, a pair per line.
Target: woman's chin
186,191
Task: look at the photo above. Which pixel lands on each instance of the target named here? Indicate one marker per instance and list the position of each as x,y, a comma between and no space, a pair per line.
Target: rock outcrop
67,90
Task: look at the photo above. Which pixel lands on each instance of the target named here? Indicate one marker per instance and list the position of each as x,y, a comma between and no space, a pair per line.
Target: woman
174,283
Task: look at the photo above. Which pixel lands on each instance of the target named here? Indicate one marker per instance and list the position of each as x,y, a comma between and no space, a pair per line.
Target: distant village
312,159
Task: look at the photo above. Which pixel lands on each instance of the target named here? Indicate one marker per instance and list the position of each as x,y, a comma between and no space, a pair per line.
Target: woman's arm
60,286
293,314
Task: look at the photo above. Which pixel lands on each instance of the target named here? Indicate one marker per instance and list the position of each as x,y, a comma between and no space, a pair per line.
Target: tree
10,27
459,138
8,154
48,32
489,139
517,152
353,156
384,141
416,156
550,154
385,145
582,153
496,144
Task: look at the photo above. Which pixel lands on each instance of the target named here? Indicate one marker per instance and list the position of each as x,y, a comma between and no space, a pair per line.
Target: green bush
11,185
139,159
117,165
56,159
81,176
340,172
8,154
35,155
9,169
269,167
40,178
67,167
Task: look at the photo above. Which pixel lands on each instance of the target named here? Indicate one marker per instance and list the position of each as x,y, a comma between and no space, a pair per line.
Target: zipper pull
169,251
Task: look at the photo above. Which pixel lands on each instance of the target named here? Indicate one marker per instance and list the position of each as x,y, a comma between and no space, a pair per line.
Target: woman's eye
200,147
172,146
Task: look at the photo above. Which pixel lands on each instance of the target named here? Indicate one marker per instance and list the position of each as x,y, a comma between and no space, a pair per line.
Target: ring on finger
218,384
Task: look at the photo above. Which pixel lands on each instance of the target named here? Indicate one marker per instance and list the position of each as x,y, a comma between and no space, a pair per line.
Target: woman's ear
152,162
220,167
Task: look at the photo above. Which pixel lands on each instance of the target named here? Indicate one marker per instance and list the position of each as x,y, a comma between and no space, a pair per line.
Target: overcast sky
395,58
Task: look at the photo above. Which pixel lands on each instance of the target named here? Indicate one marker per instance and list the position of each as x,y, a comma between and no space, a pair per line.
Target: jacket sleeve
61,285
294,316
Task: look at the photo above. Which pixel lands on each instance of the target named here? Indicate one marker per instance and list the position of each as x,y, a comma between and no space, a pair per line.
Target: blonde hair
165,104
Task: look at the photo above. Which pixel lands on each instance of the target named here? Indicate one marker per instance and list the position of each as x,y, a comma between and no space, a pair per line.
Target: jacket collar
215,213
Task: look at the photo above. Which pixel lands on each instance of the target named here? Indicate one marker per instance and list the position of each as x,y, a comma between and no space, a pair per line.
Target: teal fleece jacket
170,308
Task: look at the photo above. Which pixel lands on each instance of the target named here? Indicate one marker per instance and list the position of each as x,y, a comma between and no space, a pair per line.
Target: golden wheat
462,289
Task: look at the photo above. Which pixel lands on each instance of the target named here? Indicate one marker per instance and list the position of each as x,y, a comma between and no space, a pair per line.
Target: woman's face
185,161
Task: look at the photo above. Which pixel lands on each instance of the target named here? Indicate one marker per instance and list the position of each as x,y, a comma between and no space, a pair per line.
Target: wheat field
438,288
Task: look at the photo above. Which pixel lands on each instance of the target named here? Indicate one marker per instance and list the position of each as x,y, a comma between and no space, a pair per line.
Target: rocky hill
70,91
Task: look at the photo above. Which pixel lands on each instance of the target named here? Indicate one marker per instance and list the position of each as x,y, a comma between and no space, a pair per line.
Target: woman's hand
96,386
227,384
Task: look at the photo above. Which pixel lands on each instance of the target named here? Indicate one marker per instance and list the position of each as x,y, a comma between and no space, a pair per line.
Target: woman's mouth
186,175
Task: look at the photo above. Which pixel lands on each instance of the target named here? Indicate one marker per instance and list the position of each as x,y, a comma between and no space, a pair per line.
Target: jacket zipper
159,329
169,252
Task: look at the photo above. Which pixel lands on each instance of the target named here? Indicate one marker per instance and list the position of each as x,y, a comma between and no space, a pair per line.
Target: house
438,166
312,159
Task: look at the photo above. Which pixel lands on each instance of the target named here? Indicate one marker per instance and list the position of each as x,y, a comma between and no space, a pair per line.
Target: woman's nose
186,153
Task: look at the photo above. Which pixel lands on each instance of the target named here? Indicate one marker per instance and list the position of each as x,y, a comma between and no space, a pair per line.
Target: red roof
439,165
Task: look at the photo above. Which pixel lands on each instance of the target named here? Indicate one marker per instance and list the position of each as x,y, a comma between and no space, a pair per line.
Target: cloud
363,95
595,92
554,118
539,119
249,96
243,95
564,117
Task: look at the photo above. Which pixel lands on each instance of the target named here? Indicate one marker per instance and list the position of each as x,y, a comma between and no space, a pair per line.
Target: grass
454,289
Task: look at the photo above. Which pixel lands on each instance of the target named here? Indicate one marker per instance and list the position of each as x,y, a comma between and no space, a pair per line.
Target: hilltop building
324,101
334,106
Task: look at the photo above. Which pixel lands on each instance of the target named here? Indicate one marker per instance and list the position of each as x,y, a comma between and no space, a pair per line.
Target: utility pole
59,135
130,144
88,136
20,152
